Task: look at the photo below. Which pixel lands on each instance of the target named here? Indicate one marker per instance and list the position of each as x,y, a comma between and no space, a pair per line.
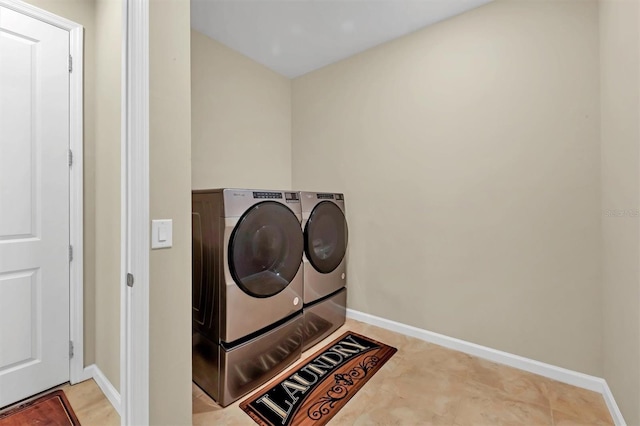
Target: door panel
34,206
19,293
326,237
266,249
16,210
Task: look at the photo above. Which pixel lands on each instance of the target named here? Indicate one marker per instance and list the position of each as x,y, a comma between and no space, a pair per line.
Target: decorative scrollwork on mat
326,403
340,389
361,370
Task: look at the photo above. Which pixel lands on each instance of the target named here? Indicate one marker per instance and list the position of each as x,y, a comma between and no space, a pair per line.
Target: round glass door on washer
265,249
247,288
325,244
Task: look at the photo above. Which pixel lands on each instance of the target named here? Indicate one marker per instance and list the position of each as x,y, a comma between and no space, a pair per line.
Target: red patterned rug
50,409
316,391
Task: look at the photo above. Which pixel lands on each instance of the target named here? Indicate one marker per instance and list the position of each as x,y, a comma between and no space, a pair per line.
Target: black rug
313,393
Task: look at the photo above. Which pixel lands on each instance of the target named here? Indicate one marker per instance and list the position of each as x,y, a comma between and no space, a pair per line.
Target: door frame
76,223
135,233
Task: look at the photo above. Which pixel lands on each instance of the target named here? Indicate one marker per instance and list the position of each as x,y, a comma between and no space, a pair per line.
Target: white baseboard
87,373
615,412
93,372
560,374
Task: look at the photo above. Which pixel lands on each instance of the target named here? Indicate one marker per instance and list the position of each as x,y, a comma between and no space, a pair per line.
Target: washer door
325,237
265,249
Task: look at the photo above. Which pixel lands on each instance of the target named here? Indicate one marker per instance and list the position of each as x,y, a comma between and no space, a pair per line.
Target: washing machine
324,264
247,288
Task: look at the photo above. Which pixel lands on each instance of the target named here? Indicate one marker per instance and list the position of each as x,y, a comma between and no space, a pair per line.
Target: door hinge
70,158
70,349
70,253
70,64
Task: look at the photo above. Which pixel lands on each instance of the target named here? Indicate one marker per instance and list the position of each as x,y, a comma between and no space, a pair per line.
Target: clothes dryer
325,244
324,264
247,288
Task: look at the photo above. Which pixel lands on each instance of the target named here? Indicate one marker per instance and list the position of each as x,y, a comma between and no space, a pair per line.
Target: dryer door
265,249
326,237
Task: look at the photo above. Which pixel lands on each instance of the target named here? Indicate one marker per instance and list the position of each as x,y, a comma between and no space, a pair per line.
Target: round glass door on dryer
263,257
325,244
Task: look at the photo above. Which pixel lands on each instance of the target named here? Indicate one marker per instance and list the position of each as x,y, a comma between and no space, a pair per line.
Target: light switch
161,233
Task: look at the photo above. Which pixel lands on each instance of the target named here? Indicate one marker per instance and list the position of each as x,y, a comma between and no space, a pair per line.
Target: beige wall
108,46
469,157
84,12
620,78
170,186
241,120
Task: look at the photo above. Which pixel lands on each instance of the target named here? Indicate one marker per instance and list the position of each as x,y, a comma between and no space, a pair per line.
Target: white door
34,206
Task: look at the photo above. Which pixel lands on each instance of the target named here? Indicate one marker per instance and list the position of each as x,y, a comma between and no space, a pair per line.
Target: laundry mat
51,409
316,391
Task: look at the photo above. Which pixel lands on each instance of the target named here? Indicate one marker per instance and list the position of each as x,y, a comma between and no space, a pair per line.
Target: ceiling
294,37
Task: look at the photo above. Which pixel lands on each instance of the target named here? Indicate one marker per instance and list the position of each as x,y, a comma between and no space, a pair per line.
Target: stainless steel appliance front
247,251
228,374
247,281
325,238
323,317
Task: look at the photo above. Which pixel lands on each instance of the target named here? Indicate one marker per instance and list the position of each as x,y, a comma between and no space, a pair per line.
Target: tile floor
421,384
428,384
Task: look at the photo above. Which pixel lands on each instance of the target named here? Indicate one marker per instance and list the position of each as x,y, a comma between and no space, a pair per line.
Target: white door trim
134,319
76,281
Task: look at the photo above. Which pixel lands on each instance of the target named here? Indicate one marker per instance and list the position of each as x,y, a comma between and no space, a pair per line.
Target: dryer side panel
206,208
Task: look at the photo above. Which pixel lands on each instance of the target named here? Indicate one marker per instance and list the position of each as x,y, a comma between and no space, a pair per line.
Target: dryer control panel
323,196
267,195
292,197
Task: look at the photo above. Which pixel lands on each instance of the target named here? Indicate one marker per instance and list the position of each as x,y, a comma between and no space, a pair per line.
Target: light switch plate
161,233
